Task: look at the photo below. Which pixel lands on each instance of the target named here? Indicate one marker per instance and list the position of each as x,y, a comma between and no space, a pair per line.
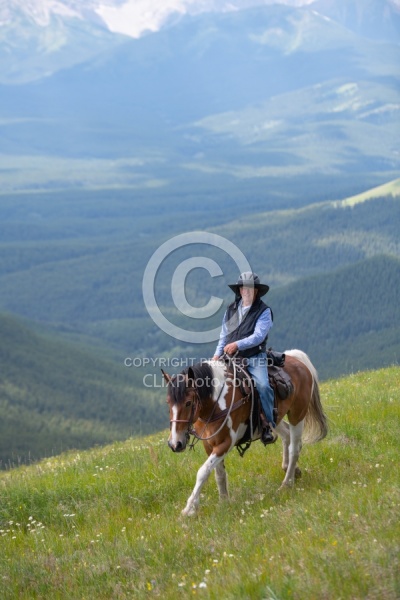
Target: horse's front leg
202,475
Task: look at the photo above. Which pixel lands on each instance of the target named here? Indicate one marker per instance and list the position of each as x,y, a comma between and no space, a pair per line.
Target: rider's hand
231,348
215,357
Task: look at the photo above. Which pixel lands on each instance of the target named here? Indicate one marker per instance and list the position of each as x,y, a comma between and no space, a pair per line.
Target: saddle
279,380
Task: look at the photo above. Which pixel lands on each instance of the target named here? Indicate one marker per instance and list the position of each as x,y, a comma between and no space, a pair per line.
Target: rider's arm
263,325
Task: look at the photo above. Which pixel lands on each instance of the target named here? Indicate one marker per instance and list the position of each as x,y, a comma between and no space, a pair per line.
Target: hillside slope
105,524
56,395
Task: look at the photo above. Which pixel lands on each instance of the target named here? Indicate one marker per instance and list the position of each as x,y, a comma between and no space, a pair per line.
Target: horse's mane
203,376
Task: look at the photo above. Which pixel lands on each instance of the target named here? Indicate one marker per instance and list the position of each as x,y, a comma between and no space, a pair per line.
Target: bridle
195,403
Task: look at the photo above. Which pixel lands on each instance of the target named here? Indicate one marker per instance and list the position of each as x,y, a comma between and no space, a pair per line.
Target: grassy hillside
56,395
105,524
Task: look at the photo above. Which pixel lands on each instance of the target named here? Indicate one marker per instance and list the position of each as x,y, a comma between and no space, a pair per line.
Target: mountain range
135,18
212,98
40,37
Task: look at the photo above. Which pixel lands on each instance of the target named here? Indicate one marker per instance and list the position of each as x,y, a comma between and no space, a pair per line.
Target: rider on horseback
244,331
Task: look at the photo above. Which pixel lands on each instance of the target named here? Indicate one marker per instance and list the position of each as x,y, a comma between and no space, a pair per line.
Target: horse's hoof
188,512
286,486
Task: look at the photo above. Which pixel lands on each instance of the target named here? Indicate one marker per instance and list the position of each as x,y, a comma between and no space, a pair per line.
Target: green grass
106,523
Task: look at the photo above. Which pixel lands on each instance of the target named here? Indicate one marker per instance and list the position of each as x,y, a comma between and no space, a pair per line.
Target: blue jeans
257,368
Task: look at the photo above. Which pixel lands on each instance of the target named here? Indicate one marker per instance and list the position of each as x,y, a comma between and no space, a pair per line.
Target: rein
224,412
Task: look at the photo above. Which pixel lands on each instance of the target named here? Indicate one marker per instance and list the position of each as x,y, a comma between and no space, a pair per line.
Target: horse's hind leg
292,471
221,479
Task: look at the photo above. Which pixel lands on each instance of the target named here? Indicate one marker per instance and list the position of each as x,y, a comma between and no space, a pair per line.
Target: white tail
315,423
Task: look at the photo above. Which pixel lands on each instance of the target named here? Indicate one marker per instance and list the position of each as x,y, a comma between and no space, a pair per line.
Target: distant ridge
392,188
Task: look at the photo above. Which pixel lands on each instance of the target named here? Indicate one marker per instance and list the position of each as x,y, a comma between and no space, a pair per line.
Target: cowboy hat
249,279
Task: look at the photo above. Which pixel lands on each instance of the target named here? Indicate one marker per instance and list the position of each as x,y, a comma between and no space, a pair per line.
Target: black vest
238,331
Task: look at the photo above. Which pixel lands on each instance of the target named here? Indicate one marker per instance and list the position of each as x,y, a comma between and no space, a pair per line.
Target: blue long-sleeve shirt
262,327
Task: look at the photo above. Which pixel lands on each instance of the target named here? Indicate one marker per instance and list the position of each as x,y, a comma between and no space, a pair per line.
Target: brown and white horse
205,401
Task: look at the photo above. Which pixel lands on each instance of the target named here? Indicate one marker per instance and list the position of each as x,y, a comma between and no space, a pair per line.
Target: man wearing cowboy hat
244,331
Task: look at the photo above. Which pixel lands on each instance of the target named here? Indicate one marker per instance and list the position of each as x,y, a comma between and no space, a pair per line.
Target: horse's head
184,404
186,393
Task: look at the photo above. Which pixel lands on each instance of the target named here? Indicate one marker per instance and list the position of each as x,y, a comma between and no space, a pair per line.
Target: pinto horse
204,400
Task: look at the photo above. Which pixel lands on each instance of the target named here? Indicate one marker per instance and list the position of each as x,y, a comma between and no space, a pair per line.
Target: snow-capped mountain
129,17
137,17
134,17
40,37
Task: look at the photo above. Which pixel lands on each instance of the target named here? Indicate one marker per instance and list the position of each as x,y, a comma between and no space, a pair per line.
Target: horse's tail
316,424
